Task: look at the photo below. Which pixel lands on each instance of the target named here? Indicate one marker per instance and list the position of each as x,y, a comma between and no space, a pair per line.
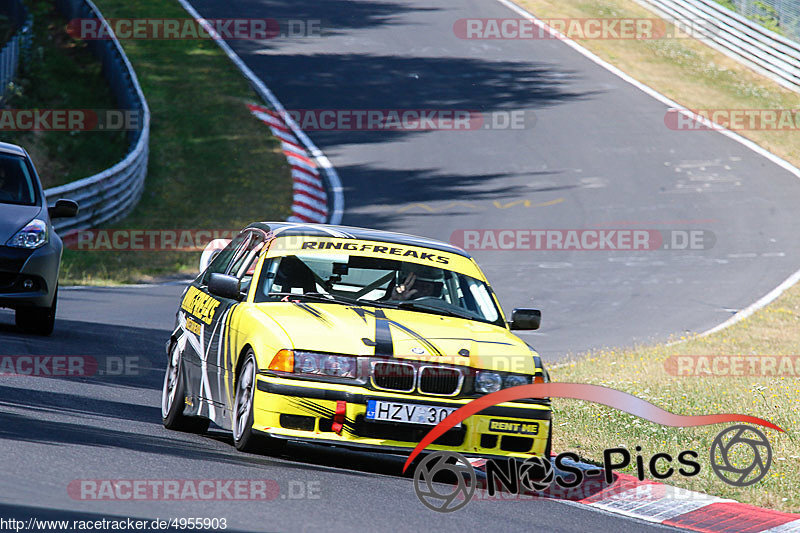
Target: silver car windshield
16,181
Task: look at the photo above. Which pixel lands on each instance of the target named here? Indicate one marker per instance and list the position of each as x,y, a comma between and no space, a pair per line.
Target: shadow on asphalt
118,356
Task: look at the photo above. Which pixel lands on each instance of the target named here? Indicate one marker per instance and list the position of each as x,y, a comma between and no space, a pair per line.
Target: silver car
30,250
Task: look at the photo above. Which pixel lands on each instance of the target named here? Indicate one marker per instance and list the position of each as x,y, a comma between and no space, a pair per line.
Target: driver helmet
428,281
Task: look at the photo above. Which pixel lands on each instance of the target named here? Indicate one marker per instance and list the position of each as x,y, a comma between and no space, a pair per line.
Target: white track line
788,282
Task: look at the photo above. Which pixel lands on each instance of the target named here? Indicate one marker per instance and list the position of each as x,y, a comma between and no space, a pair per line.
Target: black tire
172,397
244,438
37,320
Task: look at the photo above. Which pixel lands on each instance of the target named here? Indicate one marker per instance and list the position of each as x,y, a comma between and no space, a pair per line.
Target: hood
14,217
402,334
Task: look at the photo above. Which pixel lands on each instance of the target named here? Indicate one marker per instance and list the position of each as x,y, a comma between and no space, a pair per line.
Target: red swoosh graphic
622,401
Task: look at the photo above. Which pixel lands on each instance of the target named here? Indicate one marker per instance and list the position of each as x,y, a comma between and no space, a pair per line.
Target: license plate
407,413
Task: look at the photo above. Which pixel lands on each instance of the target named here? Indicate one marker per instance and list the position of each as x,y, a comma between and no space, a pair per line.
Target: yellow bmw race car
349,337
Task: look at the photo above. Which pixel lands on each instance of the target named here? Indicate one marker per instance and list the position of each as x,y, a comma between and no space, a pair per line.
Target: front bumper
38,267
305,410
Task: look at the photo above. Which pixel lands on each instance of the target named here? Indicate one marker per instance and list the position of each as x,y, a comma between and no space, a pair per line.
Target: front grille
304,423
393,376
12,259
488,440
406,433
16,283
7,280
509,443
440,381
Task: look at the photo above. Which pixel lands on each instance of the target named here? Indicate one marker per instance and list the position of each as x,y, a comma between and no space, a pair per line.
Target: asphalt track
598,155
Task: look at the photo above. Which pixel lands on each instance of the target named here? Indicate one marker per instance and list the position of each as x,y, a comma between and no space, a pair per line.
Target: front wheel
38,320
172,397
244,438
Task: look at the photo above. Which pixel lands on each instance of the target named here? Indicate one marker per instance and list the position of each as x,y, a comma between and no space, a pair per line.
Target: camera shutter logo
731,443
454,496
536,474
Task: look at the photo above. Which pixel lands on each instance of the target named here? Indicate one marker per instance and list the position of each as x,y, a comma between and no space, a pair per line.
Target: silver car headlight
33,235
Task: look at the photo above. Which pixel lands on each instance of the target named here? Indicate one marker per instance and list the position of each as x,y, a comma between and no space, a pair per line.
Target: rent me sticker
517,428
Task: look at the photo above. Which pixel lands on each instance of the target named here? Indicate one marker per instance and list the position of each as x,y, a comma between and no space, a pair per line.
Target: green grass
63,74
212,165
588,428
698,77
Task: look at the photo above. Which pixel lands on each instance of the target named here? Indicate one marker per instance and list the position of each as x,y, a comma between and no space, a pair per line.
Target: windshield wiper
322,298
416,306
316,296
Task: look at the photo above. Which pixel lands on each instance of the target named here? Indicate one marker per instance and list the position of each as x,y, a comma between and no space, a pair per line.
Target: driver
414,281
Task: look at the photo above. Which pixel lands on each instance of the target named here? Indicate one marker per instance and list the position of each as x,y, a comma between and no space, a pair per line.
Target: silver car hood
14,217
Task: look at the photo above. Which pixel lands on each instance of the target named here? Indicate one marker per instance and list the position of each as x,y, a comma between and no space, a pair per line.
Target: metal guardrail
736,36
19,43
782,16
113,193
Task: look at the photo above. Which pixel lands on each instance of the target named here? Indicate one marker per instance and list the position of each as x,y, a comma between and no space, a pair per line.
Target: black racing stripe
383,335
322,412
473,340
313,408
417,336
316,313
383,327
360,312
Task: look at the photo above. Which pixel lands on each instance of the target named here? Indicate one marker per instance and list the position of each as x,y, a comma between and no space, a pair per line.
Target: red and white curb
310,201
671,506
695,511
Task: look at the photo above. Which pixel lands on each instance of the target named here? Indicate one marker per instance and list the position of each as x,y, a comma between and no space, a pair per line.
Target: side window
244,264
220,263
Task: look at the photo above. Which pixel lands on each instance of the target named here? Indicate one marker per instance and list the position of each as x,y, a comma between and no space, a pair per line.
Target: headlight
322,364
515,381
307,364
32,236
487,382
315,364
342,367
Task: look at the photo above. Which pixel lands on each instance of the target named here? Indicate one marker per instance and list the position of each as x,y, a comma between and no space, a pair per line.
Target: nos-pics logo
446,481
728,449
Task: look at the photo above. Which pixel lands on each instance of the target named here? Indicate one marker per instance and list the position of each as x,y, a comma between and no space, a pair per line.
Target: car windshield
16,181
380,282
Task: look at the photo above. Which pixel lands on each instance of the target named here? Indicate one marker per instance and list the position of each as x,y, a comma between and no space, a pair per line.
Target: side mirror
210,252
522,318
224,286
63,209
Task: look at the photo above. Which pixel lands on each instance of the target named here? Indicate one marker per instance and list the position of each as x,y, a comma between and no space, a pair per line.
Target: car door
203,321
210,359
